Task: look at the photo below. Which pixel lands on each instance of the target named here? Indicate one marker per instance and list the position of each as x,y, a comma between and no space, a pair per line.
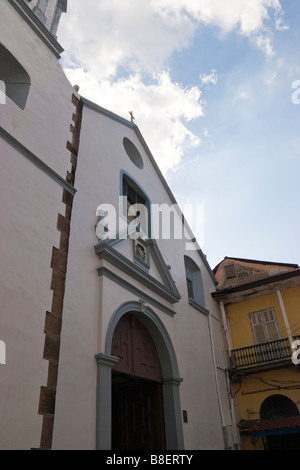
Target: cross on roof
132,116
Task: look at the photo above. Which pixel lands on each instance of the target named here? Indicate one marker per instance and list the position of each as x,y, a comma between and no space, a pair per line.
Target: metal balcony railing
262,353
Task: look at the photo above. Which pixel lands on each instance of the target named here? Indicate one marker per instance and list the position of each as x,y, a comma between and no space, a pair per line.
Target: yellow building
260,305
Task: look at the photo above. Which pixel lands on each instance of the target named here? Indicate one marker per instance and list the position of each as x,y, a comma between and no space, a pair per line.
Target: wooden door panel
138,422
136,350
137,407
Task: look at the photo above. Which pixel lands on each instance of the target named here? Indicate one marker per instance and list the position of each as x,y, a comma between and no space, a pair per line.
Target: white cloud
247,17
242,95
212,77
101,38
104,35
142,34
281,25
264,43
161,110
206,133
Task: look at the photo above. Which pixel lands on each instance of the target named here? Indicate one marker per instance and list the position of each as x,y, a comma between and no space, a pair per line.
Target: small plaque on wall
141,254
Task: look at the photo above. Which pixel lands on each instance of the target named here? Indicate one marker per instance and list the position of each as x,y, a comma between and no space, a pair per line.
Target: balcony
263,353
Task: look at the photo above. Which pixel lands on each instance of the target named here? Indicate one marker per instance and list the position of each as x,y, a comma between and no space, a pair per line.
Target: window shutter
230,271
264,326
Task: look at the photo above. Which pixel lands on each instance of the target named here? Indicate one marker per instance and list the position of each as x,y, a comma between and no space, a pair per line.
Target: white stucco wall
48,111
30,204
90,300
28,213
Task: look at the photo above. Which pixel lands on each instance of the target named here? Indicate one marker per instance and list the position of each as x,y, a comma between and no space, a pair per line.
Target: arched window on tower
194,284
15,78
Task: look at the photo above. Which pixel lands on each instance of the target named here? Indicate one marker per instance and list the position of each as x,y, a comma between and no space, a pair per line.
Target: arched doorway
276,407
107,378
137,397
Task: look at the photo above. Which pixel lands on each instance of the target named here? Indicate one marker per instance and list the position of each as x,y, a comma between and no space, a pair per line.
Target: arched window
194,284
14,76
284,412
136,205
278,406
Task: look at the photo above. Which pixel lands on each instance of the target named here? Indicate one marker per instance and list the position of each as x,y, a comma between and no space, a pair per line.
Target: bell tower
48,12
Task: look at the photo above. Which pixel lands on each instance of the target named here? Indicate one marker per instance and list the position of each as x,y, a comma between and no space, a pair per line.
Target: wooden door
137,403
135,348
137,419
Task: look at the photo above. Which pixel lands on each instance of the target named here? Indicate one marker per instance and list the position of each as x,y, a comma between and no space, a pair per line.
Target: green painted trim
168,292
134,290
36,161
153,323
163,269
198,306
105,363
37,26
155,252
105,112
125,176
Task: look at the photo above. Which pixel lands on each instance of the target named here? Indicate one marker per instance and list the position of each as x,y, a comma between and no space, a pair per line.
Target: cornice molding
167,291
37,26
36,161
134,290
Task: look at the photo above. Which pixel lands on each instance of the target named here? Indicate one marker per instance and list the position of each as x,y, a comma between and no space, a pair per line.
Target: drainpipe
285,318
223,421
231,413
226,330
228,345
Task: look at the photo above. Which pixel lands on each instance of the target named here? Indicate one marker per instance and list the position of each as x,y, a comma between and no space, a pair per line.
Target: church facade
113,338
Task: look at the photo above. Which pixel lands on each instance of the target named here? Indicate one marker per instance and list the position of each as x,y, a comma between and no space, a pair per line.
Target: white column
105,363
285,318
226,328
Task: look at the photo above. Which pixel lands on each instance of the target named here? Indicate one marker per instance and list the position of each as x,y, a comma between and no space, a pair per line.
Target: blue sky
210,85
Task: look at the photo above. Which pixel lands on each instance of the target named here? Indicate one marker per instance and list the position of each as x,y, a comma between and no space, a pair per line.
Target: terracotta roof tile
270,424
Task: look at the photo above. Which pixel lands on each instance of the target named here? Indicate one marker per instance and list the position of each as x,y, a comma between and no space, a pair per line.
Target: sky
214,86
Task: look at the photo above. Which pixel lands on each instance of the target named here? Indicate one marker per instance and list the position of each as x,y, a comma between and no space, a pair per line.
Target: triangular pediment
142,260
